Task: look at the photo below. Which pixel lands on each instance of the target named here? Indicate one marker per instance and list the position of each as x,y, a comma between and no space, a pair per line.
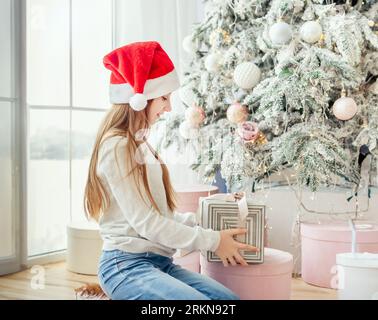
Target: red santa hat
140,71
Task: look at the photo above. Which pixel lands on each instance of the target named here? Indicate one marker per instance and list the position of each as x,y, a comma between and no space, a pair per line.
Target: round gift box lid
83,229
358,260
276,262
274,258
366,232
196,188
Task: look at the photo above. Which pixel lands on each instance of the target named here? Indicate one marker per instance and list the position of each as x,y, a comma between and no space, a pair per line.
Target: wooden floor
60,284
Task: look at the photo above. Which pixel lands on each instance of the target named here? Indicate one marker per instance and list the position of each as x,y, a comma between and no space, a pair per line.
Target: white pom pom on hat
138,101
141,71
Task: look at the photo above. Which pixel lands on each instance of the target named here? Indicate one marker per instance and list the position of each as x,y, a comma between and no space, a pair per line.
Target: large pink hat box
270,280
188,196
322,242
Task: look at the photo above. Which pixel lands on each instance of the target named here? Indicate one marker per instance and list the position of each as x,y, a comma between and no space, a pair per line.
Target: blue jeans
151,276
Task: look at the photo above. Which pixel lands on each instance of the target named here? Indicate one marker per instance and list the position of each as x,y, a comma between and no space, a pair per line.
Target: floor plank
59,284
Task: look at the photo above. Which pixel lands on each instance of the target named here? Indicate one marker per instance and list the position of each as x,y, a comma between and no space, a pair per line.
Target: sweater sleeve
141,215
187,218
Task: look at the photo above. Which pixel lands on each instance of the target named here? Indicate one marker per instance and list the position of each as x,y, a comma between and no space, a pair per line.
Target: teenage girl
129,193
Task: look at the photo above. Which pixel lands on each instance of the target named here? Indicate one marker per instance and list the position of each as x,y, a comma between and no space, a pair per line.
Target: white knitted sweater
130,224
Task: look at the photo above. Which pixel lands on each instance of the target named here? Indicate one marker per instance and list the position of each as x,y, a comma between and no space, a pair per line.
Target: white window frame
14,262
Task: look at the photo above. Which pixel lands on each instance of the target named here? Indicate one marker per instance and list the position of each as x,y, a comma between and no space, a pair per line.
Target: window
84,128
66,95
48,180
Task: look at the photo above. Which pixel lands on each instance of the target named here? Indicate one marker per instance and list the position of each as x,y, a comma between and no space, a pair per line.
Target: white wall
166,21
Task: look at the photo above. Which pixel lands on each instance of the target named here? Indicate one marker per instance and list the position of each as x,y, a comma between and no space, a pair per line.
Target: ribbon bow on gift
241,199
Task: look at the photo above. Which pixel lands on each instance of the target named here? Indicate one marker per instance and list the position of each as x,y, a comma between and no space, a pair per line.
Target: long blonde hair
122,120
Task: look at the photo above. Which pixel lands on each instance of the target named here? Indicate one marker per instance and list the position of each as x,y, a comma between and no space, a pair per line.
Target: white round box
84,246
357,275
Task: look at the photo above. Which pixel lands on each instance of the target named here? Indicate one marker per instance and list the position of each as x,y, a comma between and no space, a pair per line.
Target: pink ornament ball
194,115
237,113
344,108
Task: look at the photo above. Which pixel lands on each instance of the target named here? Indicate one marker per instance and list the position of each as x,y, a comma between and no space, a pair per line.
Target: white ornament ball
237,113
194,116
311,31
186,95
187,131
188,44
212,62
344,108
280,33
247,75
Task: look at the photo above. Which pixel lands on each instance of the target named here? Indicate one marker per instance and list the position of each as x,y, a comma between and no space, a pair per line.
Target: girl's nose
168,108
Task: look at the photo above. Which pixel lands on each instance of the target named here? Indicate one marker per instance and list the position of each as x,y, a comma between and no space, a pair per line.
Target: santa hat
140,71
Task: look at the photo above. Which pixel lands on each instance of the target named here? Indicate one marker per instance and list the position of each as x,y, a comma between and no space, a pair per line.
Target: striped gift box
221,214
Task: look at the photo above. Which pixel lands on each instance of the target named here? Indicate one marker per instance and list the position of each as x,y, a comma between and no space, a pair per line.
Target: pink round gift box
270,280
321,243
188,196
190,261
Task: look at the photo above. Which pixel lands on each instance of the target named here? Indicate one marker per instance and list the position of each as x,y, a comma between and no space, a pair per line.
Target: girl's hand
228,249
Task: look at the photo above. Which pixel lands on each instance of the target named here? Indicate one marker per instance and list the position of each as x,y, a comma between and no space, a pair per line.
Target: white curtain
168,22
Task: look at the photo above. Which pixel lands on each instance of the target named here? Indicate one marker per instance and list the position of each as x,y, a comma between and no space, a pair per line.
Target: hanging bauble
187,131
344,108
186,95
189,45
248,131
280,33
212,62
237,113
247,75
194,115
311,31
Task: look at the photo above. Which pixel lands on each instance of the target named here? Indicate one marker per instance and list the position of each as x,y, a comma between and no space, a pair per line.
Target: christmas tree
281,85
